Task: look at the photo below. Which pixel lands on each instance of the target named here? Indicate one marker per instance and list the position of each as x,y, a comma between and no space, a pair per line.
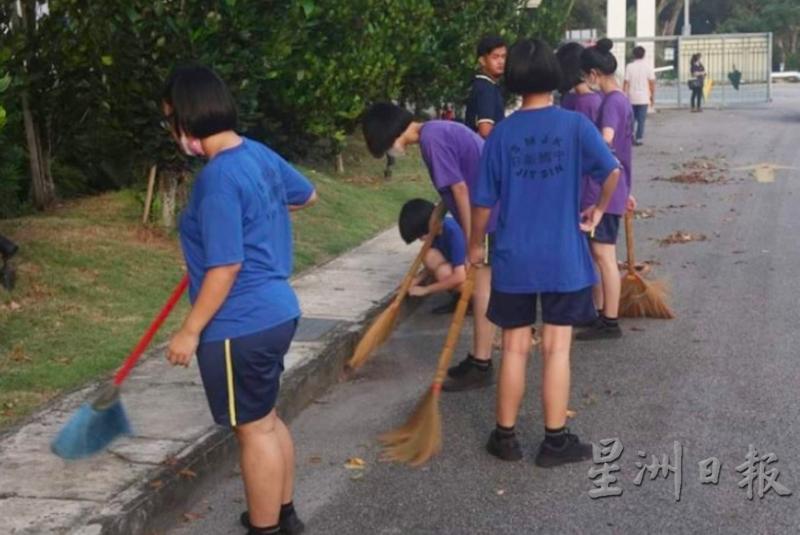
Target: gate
739,65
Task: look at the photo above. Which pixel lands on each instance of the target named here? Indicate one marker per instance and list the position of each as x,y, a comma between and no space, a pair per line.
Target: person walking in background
485,104
696,82
640,86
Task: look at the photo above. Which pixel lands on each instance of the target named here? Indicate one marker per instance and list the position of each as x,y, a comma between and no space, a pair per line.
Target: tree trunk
43,190
168,188
340,163
672,22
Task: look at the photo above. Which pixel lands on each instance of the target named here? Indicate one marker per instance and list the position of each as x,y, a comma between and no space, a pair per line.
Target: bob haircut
414,218
569,58
599,57
382,124
201,103
532,67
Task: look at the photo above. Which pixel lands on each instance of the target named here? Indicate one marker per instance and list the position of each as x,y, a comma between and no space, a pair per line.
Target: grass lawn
90,278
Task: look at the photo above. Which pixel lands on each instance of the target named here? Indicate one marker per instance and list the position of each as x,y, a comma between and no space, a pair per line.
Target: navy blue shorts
510,311
607,230
241,376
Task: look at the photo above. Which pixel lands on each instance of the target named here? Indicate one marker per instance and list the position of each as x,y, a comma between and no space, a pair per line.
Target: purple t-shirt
587,104
615,112
452,153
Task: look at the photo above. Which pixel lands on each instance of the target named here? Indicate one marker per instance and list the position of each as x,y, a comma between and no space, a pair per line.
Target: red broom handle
144,341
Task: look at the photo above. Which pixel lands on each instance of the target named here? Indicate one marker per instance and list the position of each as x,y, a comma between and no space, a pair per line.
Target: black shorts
241,376
510,311
607,230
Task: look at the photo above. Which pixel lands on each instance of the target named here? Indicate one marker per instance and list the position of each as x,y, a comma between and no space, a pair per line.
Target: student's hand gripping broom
420,438
383,325
640,298
96,424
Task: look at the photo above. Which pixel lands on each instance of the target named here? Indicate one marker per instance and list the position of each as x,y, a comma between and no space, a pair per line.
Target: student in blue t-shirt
236,237
445,261
532,164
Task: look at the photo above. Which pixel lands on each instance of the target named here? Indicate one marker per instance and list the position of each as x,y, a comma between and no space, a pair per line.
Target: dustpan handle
144,341
629,241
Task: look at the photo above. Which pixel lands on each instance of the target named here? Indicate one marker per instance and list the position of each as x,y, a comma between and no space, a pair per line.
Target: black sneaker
290,524
601,330
461,369
504,448
467,376
572,451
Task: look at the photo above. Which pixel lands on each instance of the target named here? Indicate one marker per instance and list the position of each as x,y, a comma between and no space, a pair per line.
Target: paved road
722,376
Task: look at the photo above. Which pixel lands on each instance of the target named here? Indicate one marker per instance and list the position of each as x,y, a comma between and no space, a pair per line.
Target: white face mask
396,152
190,147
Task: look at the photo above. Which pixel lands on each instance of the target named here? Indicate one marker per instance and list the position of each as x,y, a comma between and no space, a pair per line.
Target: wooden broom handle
455,329
629,242
435,225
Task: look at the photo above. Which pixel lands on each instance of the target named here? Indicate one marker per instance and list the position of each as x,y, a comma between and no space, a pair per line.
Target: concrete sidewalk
176,446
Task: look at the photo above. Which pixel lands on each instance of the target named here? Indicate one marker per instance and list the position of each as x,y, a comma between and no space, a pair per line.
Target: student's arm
461,196
216,286
480,220
221,232
456,277
484,108
608,135
300,192
601,165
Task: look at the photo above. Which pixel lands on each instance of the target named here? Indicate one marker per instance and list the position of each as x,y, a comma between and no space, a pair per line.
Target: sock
555,437
270,530
287,510
504,432
611,322
482,365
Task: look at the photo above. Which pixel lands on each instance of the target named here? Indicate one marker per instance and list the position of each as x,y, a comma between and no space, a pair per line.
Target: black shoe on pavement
601,330
504,448
290,524
468,376
572,451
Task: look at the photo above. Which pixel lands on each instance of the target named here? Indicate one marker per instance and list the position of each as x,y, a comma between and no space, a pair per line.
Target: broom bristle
90,430
644,299
420,438
377,333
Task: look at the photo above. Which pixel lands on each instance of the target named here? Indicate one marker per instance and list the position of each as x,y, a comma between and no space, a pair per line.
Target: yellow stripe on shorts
229,377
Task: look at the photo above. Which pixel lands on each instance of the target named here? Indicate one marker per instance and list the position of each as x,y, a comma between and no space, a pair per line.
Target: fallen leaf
681,236
14,306
500,492
315,459
156,484
355,463
188,474
191,517
170,461
637,329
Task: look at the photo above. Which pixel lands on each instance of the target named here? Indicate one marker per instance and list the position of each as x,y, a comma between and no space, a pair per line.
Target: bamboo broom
420,438
640,298
383,325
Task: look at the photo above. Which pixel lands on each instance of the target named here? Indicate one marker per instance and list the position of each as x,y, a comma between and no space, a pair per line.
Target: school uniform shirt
238,213
452,154
485,103
616,112
639,74
587,104
532,164
451,242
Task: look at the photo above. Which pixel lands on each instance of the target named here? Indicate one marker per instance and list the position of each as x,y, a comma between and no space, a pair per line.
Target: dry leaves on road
699,171
681,236
355,463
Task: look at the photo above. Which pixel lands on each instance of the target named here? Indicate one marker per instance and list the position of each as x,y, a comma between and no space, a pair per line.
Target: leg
263,469
511,383
597,290
287,450
483,328
606,257
556,342
641,117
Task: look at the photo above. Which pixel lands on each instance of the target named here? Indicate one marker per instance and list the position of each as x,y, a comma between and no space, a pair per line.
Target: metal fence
739,65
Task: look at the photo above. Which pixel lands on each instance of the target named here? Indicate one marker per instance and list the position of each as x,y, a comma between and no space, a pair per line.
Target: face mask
190,147
396,152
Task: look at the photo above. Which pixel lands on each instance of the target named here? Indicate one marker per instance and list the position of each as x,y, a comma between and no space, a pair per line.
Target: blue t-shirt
451,242
485,103
533,163
238,213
